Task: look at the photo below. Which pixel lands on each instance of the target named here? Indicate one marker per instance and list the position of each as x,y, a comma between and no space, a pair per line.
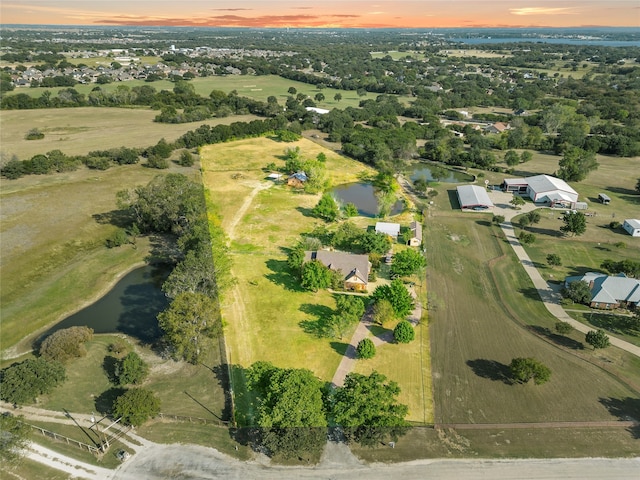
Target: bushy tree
397,295
404,332
136,406
186,159
554,259
597,339
23,382
517,201
327,208
66,344
131,369
511,158
574,223
498,219
366,349
14,439
407,262
366,408
526,238
563,328
189,320
350,305
383,311
578,292
525,369
315,276
291,411
576,164
534,217
350,210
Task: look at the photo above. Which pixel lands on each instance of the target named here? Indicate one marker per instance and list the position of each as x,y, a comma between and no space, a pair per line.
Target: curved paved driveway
550,298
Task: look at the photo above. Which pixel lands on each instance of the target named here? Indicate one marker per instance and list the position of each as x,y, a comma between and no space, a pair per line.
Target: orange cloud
541,11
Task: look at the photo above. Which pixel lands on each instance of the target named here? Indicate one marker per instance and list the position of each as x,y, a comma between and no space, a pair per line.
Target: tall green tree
23,382
397,295
327,208
578,292
291,411
131,369
525,369
14,439
366,349
315,276
190,319
404,332
407,262
367,409
575,223
136,406
576,164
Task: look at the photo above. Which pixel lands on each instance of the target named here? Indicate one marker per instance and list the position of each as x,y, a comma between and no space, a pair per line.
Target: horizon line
299,27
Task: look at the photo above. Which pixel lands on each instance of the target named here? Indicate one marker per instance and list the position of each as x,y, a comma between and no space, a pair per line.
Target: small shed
297,180
632,227
391,229
604,199
416,234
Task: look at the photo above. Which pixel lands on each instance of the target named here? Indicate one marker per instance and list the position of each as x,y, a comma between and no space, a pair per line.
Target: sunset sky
325,13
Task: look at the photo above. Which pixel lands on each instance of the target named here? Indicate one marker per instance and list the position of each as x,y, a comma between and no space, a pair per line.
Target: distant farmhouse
543,189
632,227
473,197
355,268
391,229
610,292
297,180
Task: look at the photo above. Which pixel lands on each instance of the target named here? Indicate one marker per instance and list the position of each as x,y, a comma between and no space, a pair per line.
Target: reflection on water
444,174
363,196
130,307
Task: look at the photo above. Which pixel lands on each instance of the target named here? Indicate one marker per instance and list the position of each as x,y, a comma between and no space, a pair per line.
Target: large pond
363,196
130,307
443,174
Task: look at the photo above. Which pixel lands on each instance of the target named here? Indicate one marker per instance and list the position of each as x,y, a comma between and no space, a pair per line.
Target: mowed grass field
481,324
258,87
77,131
268,316
53,254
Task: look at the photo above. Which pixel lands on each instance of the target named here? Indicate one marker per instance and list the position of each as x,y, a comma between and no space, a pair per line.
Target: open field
53,255
474,340
28,468
183,389
258,87
78,131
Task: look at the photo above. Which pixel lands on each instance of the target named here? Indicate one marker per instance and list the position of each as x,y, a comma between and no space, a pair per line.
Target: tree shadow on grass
530,293
626,409
319,327
221,373
560,340
118,218
339,347
104,401
109,364
281,275
491,369
306,212
545,231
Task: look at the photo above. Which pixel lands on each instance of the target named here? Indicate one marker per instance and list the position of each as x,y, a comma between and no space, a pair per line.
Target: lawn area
77,131
183,389
474,340
54,259
258,87
267,307
27,468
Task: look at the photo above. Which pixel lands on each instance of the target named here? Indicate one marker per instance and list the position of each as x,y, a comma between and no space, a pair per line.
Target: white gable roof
392,229
546,183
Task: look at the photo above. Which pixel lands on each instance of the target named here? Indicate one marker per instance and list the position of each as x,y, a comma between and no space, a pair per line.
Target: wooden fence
56,436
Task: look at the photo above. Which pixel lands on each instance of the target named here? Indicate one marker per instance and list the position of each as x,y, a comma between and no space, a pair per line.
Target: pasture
53,253
78,131
258,87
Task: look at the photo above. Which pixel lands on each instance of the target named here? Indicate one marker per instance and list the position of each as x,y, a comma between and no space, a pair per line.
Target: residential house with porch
355,268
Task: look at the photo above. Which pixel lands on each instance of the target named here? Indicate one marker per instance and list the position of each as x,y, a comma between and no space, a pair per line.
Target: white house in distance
391,229
543,189
632,227
473,197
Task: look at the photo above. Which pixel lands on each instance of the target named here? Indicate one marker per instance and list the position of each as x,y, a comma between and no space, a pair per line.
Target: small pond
449,176
363,196
130,307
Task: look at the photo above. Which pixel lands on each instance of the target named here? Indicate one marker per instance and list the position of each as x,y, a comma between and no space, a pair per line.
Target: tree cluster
525,369
65,344
24,382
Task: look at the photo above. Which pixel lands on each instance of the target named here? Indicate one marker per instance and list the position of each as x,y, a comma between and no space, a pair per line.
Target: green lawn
77,131
487,304
258,87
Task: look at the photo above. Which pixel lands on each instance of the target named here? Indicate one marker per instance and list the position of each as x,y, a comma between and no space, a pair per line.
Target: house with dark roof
610,292
355,268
